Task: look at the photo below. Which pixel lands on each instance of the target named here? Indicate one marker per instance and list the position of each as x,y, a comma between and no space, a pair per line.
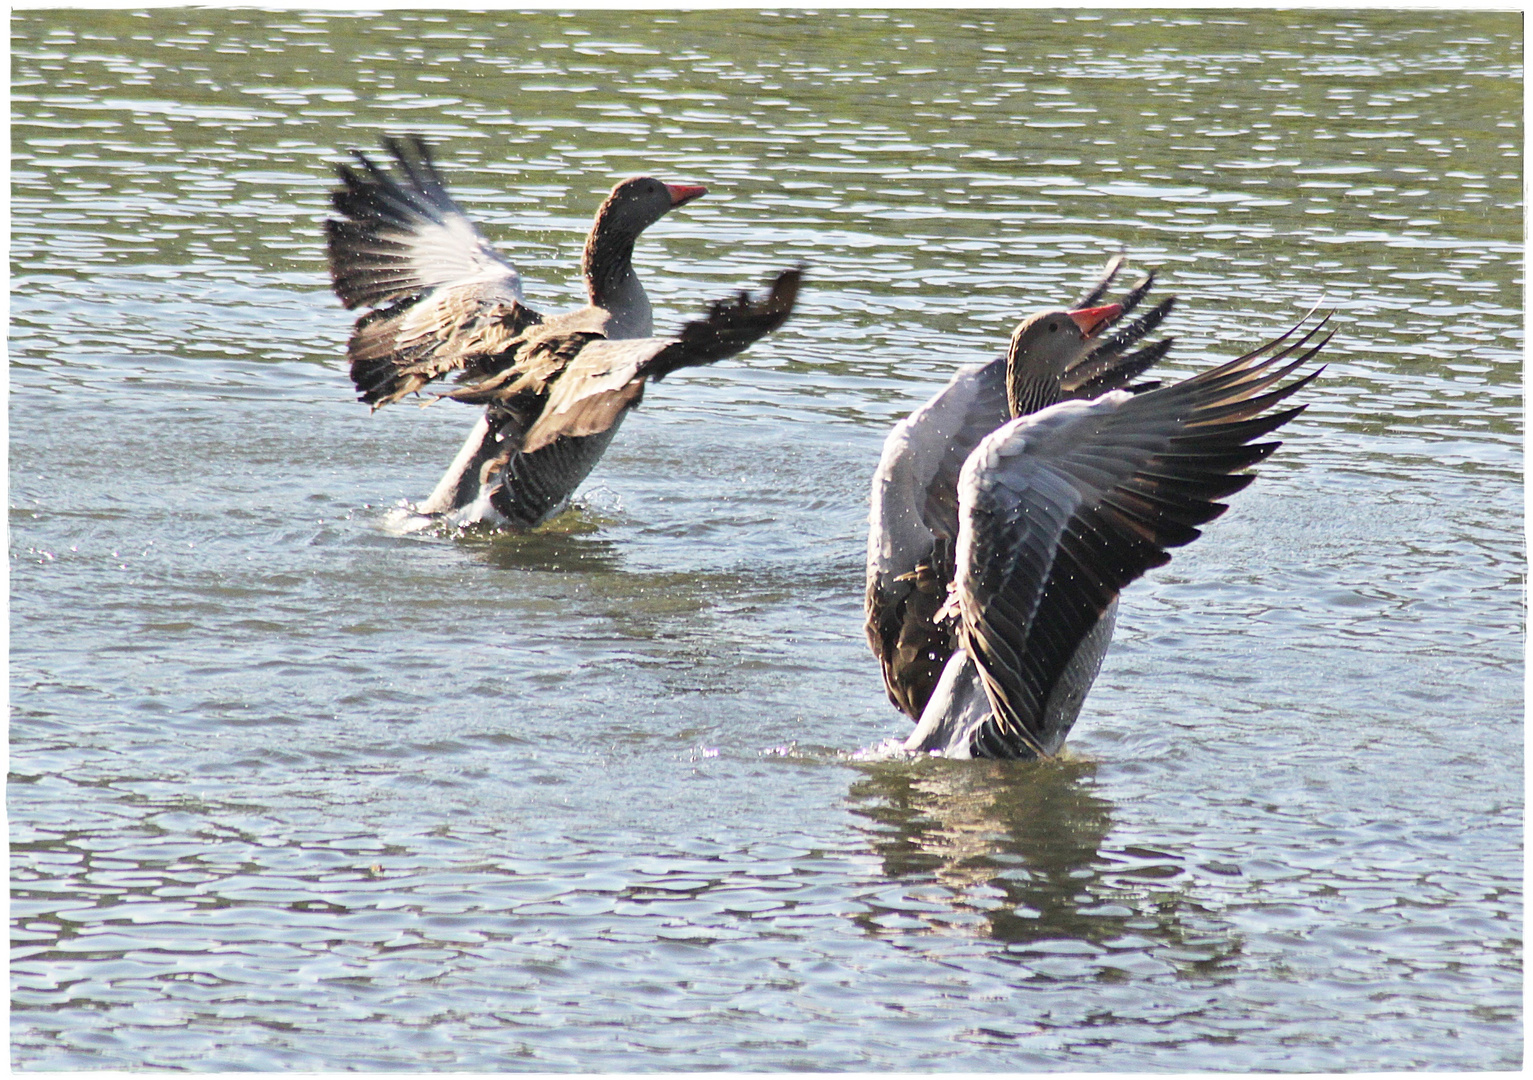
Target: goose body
913,523
1057,510
555,388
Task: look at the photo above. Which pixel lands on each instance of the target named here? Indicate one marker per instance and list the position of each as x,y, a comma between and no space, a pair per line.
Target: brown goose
444,301
1061,508
914,521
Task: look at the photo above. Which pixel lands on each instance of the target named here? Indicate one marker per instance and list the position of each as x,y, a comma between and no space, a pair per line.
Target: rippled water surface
586,799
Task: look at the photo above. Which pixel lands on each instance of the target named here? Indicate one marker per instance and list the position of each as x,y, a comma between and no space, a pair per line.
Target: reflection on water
1039,822
573,546
1018,847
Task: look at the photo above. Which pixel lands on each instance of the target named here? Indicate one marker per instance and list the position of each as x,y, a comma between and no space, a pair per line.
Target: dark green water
290,791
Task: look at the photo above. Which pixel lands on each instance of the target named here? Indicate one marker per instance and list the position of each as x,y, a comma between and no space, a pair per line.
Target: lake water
291,791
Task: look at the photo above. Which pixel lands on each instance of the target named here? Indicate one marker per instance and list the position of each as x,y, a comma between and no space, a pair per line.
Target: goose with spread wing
914,521
443,301
1061,508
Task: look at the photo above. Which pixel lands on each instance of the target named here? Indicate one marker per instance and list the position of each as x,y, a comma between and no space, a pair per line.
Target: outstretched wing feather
401,235
1092,296
1061,510
729,327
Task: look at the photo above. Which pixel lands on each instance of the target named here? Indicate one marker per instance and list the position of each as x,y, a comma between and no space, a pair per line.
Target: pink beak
1093,320
684,193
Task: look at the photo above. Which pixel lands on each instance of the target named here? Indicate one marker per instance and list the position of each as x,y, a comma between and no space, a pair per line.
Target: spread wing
728,328
1060,510
599,379
443,297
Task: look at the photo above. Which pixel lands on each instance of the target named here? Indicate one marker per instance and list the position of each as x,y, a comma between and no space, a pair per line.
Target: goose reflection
555,552
1018,850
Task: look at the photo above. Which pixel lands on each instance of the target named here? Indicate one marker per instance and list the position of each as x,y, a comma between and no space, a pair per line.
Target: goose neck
1027,392
612,284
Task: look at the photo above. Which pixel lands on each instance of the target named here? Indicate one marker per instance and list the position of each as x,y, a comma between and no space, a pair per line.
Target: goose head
639,202
1046,345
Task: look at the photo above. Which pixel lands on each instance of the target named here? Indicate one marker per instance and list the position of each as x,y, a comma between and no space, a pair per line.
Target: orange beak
1094,320
684,193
